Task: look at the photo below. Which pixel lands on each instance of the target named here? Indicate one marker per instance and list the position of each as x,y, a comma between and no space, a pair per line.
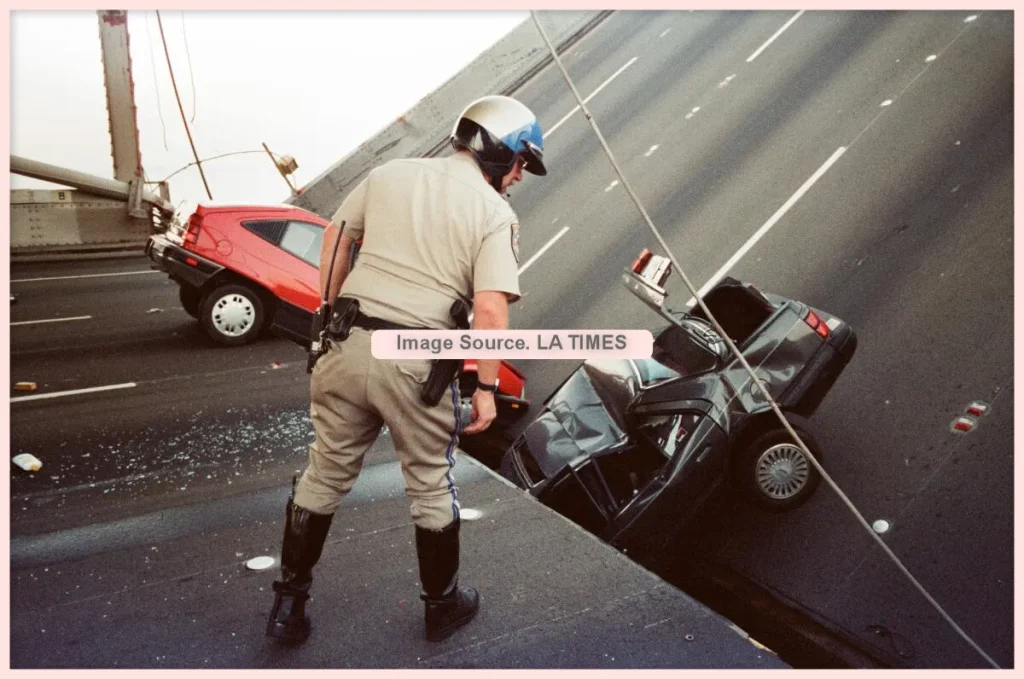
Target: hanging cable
205,160
191,76
732,347
176,96
156,81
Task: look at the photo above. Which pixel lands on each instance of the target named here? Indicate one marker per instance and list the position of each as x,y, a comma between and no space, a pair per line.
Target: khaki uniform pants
353,394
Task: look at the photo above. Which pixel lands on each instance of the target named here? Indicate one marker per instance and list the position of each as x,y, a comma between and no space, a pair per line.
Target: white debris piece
29,463
260,563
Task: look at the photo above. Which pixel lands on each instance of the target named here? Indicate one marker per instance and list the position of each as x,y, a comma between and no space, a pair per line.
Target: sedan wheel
773,472
782,471
232,314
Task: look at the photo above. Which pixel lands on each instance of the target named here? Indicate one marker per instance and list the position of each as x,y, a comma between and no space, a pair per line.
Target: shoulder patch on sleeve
515,241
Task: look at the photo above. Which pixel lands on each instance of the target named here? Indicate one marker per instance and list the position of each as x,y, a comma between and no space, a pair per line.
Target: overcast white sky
313,85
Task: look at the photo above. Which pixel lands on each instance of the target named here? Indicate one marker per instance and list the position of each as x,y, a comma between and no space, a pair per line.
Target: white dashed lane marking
73,392
90,275
53,320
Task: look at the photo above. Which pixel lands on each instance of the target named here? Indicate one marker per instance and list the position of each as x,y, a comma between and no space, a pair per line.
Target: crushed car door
593,491
578,494
694,448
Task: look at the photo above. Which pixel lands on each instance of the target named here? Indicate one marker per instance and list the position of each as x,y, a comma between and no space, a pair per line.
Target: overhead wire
732,347
156,80
205,160
191,75
174,83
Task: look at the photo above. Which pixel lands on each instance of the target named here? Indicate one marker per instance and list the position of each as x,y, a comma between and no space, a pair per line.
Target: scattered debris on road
260,563
29,463
154,311
25,386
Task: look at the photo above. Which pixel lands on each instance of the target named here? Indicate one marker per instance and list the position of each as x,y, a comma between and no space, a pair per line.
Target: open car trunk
739,308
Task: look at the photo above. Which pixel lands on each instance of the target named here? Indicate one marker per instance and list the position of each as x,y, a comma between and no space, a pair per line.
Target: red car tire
191,299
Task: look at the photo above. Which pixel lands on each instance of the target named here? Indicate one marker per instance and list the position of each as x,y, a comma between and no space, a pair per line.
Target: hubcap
233,315
782,471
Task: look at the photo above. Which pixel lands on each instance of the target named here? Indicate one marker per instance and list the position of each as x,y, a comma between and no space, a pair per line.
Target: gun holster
444,371
331,321
343,316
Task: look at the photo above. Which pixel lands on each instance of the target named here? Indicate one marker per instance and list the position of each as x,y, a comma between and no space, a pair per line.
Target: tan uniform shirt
433,231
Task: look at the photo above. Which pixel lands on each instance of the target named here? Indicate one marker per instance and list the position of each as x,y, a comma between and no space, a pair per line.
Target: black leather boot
304,535
448,606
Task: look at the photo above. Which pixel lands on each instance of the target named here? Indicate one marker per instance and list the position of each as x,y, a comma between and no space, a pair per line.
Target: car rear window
271,231
301,239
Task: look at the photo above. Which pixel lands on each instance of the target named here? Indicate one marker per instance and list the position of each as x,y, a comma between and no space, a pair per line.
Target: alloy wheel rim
782,471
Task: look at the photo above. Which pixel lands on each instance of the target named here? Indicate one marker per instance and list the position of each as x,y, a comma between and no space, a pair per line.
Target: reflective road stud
966,423
977,409
963,425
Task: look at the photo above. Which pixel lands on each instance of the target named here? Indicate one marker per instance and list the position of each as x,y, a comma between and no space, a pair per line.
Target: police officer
433,231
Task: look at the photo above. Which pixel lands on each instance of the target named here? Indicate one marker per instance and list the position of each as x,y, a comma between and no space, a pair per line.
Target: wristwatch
488,387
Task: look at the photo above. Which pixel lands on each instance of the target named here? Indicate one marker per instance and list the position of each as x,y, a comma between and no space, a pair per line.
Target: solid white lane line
600,87
88,275
53,320
543,249
777,34
768,225
536,256
73,392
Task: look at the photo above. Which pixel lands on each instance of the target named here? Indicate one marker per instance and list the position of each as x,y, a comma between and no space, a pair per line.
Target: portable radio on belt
318,337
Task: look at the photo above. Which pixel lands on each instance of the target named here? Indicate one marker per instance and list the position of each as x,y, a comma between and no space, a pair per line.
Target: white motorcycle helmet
497,130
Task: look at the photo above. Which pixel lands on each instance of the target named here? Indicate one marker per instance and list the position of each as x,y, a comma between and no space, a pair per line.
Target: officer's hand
484,412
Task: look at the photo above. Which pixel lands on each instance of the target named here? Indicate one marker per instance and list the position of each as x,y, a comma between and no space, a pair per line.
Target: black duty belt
370,323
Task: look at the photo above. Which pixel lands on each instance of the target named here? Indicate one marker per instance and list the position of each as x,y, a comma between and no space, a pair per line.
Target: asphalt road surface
860,162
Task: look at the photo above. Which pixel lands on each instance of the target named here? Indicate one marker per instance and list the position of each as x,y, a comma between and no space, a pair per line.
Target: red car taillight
819,326
652,268
641,261
195,222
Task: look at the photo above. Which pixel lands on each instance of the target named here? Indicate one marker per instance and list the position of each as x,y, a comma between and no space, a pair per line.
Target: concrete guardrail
424,129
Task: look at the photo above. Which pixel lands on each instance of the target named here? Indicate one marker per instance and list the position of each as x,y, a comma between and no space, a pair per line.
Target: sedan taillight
819,326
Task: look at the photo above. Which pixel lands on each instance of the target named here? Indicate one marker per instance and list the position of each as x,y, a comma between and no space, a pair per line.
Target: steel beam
117,76
97,186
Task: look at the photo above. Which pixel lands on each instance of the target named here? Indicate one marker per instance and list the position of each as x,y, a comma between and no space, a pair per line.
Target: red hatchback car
245,269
